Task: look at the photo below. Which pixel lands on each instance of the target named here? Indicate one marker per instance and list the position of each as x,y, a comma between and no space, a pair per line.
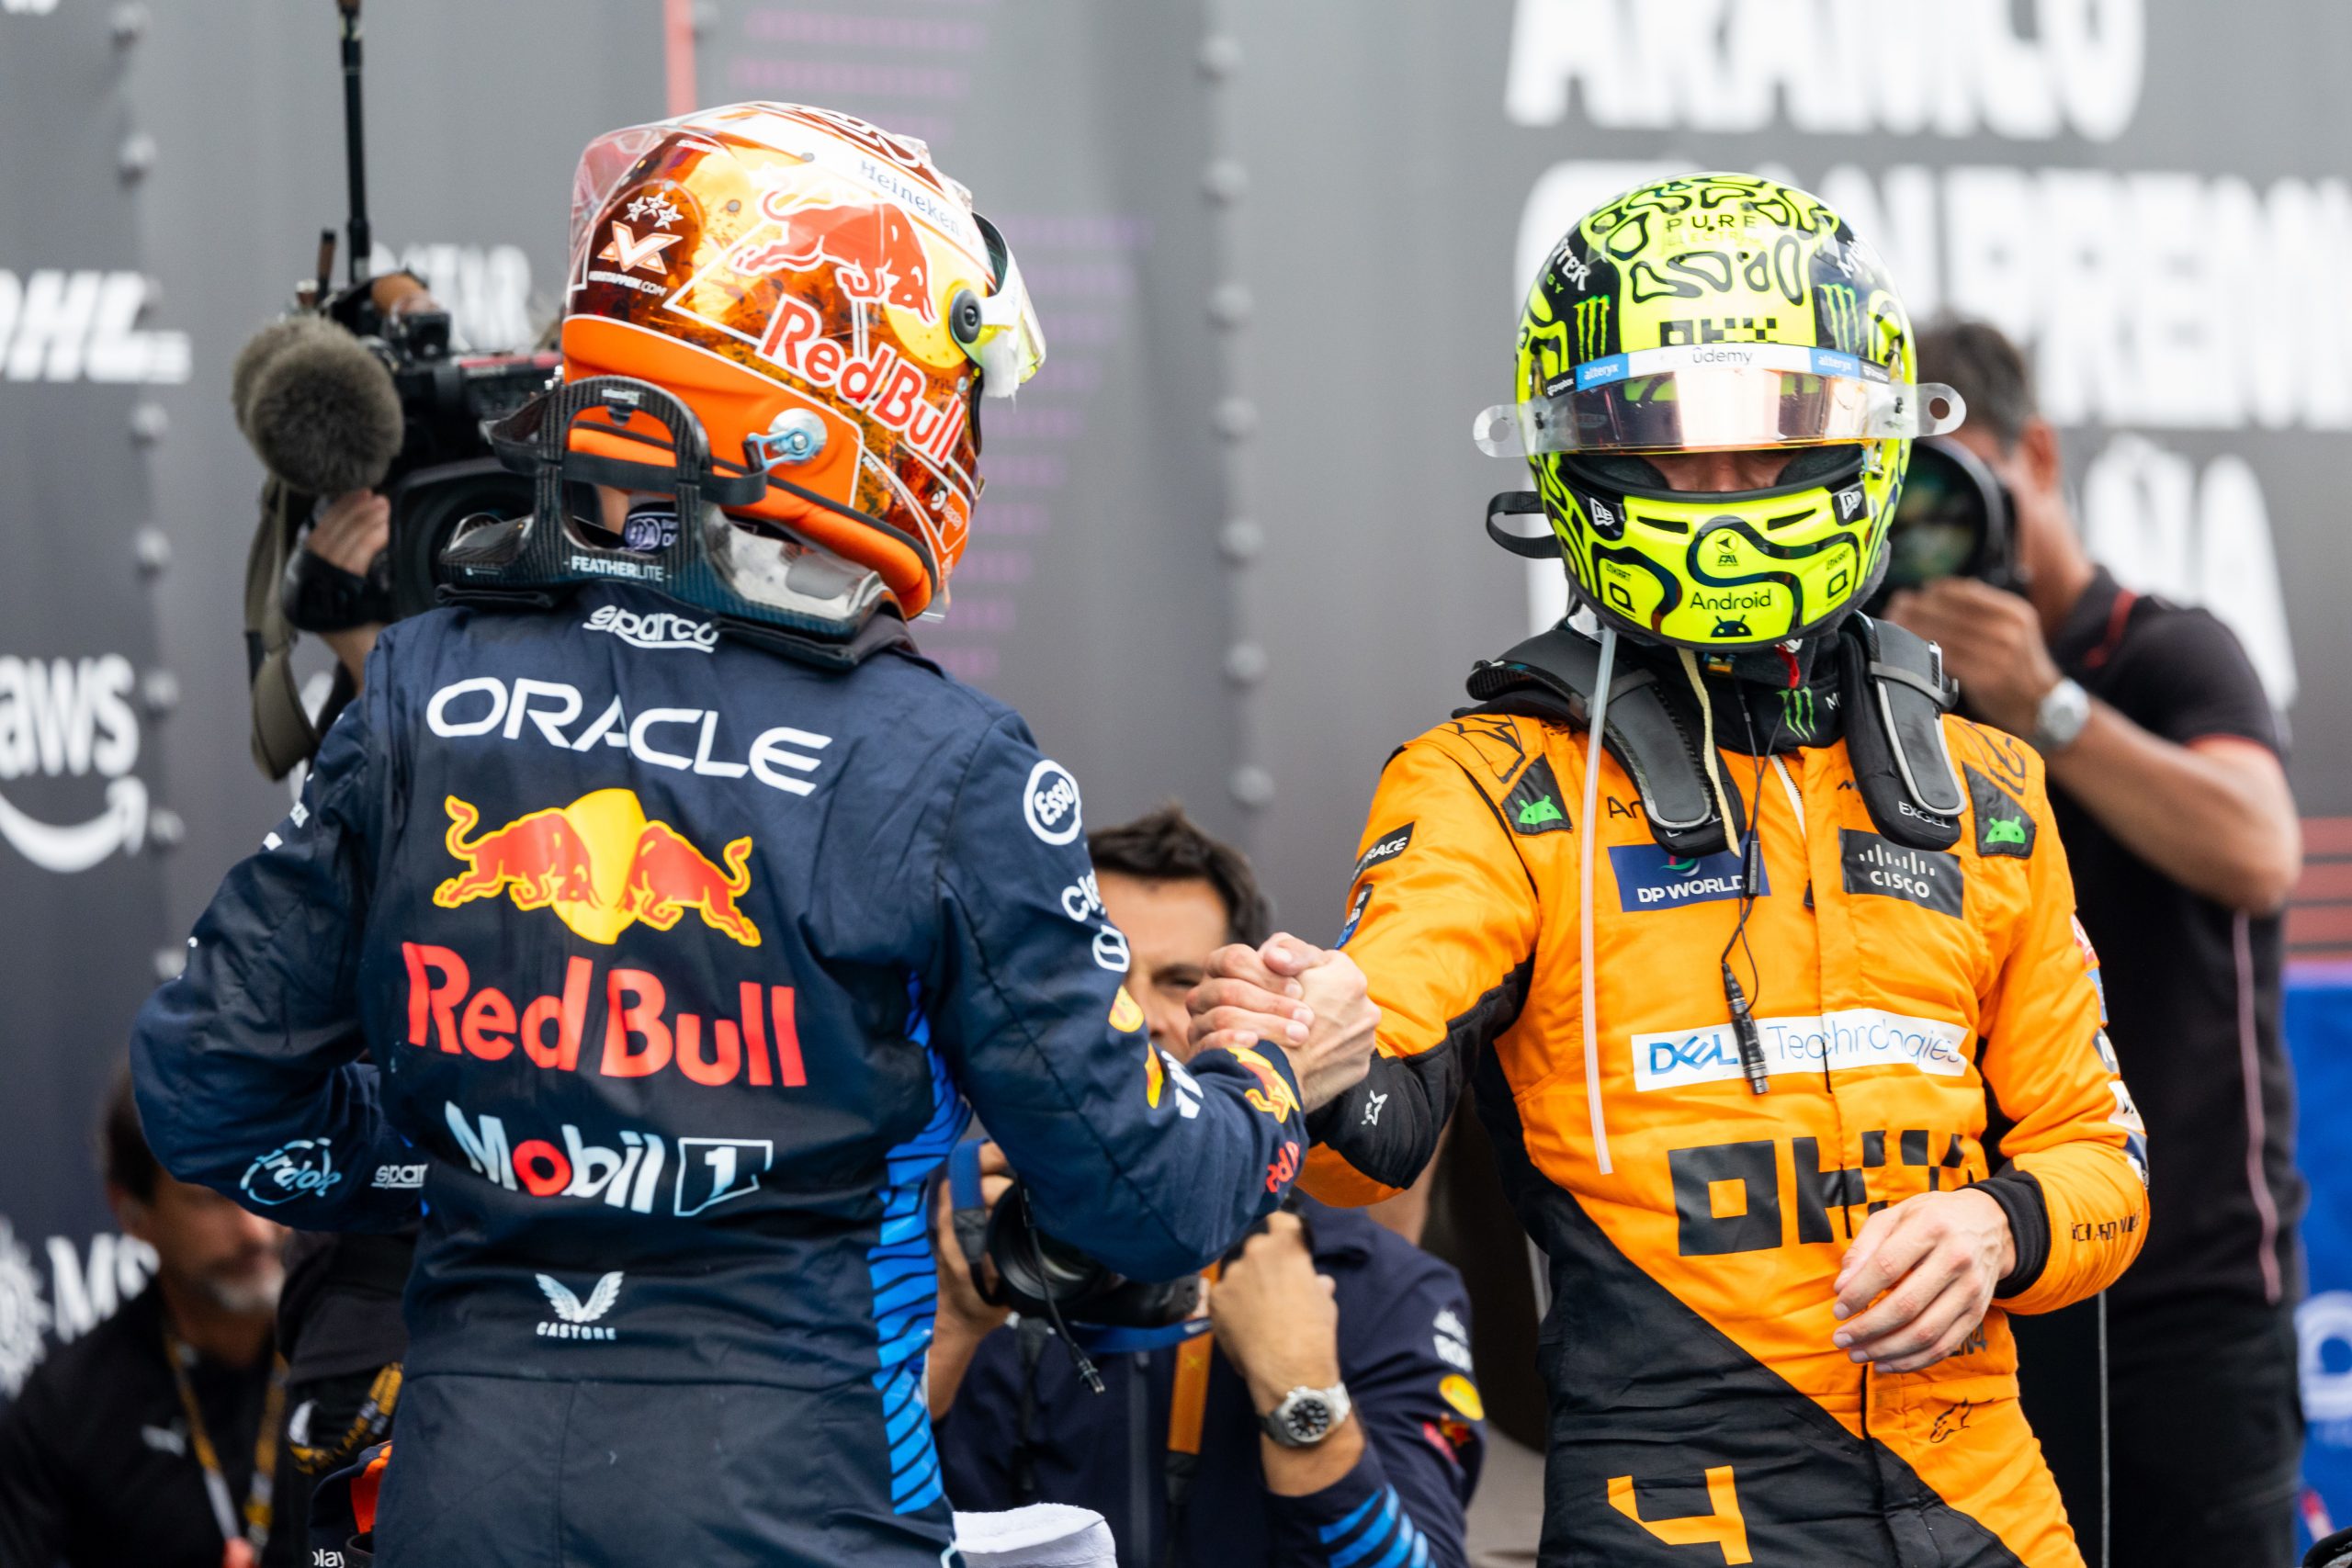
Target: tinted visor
1717,397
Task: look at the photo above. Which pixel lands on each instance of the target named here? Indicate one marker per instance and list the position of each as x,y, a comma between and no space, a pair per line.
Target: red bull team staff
1761,963
681,907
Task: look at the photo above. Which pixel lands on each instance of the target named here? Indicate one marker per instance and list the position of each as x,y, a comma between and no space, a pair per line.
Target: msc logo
573,1317
302,1168
601,866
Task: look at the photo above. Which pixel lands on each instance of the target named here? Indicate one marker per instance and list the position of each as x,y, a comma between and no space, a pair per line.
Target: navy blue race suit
677,962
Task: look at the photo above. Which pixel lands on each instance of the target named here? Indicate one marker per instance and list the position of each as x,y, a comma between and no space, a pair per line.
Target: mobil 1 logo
1880,867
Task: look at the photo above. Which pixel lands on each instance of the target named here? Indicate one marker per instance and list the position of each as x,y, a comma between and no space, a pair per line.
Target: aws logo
70,718
601,865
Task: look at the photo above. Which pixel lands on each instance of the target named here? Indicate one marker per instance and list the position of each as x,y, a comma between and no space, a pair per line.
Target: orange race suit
1699,1413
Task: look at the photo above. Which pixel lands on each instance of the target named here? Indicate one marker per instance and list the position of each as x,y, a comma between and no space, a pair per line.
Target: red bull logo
643,1034
1273,1097
601,865
876,255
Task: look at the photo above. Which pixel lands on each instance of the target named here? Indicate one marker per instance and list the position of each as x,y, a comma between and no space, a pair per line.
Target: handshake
1309,1000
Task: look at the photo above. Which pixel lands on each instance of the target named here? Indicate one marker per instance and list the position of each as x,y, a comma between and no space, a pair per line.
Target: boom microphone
319,409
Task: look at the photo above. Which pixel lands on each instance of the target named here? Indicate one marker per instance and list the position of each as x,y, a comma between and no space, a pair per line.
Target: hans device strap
1900,762
1558,669
1895,694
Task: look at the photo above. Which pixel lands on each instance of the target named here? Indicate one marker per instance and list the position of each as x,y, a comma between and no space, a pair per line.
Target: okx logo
576,1319
601,866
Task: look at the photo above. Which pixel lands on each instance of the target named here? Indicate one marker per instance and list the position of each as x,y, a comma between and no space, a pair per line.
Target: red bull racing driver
681,908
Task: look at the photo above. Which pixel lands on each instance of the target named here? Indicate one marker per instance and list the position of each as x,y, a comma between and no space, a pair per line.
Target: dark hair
1168,846
124,1158
1977,360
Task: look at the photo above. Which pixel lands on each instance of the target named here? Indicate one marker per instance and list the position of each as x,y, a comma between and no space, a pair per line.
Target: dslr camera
1953,519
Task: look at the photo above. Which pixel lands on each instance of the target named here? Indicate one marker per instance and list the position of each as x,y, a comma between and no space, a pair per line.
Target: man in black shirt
150,1440
2173,805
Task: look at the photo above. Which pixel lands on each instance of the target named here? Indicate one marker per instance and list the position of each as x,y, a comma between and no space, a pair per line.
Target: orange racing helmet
824,300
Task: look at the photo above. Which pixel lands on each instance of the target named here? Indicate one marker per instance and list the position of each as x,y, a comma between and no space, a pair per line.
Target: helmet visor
1712,397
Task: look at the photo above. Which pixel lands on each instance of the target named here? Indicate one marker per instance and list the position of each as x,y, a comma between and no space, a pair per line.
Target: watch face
1307,1418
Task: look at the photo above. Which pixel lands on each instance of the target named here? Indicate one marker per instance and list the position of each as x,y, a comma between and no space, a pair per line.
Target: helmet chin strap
1598,727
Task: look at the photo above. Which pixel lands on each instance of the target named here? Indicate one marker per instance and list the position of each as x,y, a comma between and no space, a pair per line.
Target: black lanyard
179,1356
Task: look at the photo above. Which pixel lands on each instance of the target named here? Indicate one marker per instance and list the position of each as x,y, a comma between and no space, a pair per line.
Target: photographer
1323,1298
2165,779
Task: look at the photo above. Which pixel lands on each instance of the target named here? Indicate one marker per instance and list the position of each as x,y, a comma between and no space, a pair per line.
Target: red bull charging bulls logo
871,247
601,865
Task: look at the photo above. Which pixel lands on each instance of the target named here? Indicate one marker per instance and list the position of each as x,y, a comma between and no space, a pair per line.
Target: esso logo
1051,804
303,1168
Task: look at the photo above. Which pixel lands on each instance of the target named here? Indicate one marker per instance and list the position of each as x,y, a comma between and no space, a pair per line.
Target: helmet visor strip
1010,346
1713,397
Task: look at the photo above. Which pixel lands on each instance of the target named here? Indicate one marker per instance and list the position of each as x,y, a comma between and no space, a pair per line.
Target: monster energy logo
1797,712
1841,316
1592,327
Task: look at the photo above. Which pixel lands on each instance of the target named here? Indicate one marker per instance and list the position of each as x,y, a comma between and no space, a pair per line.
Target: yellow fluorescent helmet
1716,312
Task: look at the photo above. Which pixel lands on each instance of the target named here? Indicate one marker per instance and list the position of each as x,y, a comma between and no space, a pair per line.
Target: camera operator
150,1438
2164,759
352,530
1322,1300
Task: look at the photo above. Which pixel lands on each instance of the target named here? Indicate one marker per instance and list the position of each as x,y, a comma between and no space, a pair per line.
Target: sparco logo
658,629
1050,802
72,717
83,326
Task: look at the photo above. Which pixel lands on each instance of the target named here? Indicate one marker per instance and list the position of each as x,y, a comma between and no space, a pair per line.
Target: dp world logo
303,1168
1050,803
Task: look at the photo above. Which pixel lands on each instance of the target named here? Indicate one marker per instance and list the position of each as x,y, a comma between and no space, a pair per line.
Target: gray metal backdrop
1230,548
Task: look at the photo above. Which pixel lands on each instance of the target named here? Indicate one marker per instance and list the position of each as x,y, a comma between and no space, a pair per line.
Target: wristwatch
2059,718
1307,1416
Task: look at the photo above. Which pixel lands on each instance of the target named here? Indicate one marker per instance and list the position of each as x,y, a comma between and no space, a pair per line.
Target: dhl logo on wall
601,865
